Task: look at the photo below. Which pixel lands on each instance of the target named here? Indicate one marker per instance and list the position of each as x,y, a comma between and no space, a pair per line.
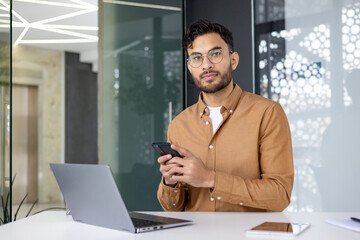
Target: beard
212,87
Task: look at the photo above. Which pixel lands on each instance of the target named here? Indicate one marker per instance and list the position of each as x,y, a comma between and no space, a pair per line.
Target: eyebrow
214,48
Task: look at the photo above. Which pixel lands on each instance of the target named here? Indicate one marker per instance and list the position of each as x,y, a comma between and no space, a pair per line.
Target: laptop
91,196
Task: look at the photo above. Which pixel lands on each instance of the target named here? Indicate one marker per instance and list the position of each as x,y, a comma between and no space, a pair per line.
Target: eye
215,54
196,58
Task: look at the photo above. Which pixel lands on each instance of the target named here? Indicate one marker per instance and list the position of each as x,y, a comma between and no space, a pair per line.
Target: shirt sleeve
272,190
171,198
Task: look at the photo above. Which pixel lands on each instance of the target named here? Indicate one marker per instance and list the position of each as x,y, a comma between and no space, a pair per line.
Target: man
236,146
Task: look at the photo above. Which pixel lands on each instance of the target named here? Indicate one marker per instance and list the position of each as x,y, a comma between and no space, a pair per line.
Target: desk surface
56,225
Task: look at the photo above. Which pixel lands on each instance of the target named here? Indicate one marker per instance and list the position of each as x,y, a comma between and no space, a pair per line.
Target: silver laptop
91,196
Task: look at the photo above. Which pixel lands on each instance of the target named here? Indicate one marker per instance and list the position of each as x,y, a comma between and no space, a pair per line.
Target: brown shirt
250,152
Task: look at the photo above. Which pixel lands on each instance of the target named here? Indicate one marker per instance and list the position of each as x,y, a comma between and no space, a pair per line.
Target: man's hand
189,169
165,167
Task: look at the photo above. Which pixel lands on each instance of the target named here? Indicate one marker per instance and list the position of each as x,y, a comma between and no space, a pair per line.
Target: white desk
53,225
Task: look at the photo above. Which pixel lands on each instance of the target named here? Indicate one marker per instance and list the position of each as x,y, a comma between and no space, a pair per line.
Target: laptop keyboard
144,223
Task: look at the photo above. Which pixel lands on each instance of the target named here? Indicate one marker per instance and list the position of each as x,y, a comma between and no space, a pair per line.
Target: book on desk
345,223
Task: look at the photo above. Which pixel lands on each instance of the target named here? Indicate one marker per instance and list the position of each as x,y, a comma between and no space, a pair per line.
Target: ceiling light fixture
80,5
145,5
65,16
88,28
70,33
83,3
50,41
80,8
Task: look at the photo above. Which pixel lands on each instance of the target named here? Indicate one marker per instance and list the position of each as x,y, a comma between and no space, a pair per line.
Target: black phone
164,148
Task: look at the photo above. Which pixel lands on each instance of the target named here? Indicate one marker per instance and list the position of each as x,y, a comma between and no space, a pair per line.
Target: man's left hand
192,170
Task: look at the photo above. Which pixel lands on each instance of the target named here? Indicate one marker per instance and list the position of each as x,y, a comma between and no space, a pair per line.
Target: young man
236,146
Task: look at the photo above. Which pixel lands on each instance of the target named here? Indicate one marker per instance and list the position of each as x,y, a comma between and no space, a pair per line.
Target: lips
208,75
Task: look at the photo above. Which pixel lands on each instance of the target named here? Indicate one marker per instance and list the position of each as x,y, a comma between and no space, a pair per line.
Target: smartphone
278,229
164,148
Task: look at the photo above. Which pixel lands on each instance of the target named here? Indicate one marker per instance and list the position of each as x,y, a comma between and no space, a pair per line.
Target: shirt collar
229,105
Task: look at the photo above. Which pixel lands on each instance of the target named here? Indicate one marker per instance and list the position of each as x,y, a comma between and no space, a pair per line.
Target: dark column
80,111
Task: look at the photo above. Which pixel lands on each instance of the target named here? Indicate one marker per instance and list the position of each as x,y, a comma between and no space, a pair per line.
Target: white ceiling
65,25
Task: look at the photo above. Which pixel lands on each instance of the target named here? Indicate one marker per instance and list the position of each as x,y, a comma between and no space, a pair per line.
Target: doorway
25,142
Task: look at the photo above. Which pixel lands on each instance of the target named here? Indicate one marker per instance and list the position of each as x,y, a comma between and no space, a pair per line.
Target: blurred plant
148,87
5,206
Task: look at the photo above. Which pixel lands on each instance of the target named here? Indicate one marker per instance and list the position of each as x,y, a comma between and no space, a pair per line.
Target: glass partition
44,72
5,113
142,90
308,59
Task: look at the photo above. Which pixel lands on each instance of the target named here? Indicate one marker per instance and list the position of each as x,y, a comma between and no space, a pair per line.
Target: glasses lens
215,56
196,60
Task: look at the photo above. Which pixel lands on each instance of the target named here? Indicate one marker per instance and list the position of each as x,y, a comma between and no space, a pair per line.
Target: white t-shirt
215,117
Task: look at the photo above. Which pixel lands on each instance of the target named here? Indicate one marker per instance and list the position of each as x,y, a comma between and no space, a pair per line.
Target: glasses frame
207,55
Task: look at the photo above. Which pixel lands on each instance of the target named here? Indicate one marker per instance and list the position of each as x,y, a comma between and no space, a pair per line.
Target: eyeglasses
215,56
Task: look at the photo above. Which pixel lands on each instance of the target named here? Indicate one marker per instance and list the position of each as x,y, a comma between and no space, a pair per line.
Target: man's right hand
165,168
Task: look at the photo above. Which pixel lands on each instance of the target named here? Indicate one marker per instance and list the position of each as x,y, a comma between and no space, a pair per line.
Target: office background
109,108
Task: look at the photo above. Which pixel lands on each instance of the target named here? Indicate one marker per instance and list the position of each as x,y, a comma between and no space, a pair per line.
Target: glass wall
5,113
142,84
43,32
308,59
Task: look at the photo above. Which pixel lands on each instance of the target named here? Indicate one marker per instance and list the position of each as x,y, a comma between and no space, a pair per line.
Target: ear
234,60
189,67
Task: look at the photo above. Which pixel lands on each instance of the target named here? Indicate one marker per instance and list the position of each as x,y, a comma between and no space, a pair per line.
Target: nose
207,64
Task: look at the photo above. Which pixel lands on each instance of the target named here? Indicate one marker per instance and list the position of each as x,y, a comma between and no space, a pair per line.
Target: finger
170,165
176,171
164,169
164,159
169,175
179,178
167,167
183,151
169,181
177,161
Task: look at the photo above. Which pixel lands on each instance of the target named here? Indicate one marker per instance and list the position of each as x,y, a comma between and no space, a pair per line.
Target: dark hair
203,26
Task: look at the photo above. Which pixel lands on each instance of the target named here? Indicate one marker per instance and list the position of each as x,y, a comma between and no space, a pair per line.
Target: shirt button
231,111
174,204
207,122
211,146
241,204
218,198
176,191
211,199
